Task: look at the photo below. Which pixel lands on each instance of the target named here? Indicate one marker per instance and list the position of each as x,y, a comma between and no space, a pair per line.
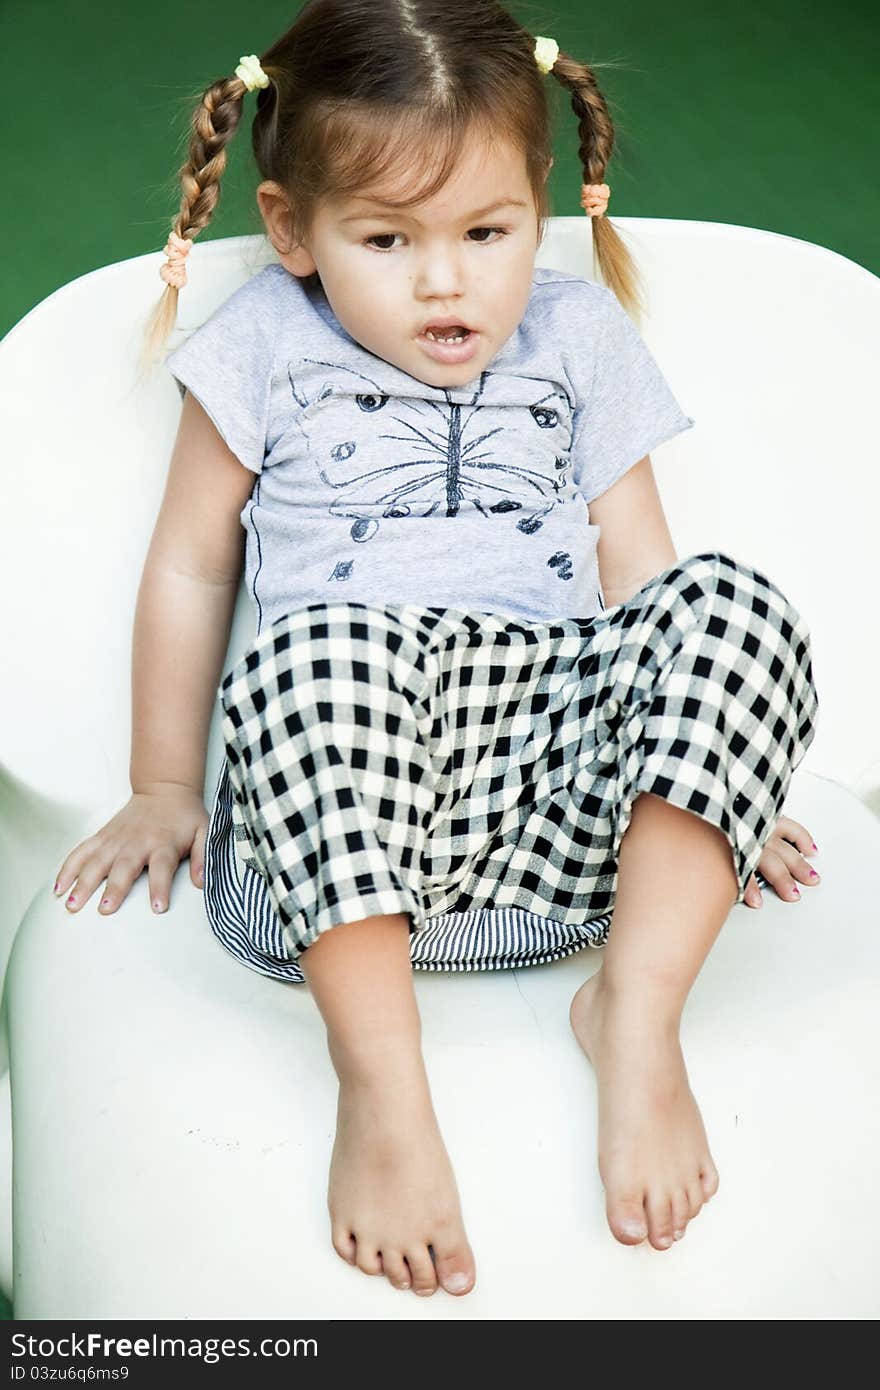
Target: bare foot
654,1158
392,1192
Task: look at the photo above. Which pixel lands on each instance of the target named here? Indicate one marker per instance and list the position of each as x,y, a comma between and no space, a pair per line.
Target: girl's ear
275,211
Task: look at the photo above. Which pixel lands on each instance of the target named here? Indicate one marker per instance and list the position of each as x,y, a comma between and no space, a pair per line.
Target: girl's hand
154,830
783,862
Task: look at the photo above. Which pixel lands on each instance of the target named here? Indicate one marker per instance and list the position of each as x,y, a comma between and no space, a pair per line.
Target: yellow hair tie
250,72
546,53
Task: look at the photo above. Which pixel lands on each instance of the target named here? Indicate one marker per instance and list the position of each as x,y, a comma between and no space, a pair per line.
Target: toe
626,1217
454,1263
344,1244
709,1179
660,1227
395,1268
681,1213
695,1198
368,1258
424,1280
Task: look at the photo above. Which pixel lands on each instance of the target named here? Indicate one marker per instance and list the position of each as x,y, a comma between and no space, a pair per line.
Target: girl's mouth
453,344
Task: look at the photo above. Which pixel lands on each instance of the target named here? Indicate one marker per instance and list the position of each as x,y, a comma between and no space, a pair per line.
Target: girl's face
465,256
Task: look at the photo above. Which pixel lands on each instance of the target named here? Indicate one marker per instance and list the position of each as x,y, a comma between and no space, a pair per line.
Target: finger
197,858
73,865
124,871
797,865
752,893
91,874
752,896
163,863
778,875
797,834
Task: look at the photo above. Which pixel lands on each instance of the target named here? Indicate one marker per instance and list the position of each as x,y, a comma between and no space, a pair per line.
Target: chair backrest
770,343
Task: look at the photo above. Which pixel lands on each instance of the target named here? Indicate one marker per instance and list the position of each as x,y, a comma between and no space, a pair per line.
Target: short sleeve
228,364
627,409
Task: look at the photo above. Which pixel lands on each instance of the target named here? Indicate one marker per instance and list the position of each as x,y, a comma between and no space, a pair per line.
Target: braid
214,122
596,132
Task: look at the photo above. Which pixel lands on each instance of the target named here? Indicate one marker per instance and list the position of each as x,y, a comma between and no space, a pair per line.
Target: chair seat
175,1113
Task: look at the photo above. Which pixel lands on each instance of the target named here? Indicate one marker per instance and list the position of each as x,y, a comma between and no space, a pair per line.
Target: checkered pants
477,772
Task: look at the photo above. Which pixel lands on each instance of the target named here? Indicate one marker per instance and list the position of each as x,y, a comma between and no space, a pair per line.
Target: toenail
456,1282
424,1293
678,1234
813,874
796,890
631,1229
665,1240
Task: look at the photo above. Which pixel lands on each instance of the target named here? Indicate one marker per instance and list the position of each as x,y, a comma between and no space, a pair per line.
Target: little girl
488,717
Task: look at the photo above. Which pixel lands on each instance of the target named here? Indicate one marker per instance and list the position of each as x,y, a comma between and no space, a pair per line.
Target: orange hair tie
173,272
594,198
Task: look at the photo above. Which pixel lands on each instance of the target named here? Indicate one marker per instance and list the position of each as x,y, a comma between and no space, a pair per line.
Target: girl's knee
721,573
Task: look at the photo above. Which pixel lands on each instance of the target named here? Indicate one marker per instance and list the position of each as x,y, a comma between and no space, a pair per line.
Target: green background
756,114
762,115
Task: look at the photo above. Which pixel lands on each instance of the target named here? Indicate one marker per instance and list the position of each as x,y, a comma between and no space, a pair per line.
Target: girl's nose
440,275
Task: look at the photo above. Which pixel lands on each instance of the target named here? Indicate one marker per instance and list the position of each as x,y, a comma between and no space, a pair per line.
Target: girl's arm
635,543
185,605
180,637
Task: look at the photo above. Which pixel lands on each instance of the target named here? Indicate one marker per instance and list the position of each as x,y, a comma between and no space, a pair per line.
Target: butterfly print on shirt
435,456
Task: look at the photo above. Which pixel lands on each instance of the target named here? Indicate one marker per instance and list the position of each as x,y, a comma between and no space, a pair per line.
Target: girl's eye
380,236
502,231
389,236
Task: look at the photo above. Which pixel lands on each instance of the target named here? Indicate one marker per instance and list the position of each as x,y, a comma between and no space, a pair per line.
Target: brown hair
354,85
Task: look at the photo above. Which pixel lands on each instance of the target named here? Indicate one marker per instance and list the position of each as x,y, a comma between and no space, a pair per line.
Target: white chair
173,1112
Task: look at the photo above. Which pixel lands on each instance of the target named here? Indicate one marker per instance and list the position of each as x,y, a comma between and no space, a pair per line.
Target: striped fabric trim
241,916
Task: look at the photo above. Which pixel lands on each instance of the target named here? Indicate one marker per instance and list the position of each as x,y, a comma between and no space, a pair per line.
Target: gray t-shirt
372,486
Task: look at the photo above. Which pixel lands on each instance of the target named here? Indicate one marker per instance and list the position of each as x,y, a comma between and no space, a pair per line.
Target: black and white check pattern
477,771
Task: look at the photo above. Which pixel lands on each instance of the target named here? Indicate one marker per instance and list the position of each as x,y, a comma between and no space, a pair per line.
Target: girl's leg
676,886
391,1180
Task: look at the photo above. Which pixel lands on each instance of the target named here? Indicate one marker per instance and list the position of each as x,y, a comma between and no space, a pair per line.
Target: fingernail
105,902
71,899
56,890
201,876
813,874
815,846
157,904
